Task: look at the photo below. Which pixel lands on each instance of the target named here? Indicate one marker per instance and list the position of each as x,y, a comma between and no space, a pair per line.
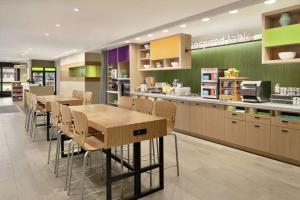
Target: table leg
137,168
108,175
161,162
48,125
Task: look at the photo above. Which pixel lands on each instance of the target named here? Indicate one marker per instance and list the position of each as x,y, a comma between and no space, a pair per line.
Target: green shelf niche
89,71
286,35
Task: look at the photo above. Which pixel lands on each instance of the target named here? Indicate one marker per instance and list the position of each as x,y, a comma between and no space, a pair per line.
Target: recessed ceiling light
127,41
150,35
22,54
269,2
57,25
183,26
46,34
165,31
138,38
76,9
233,11
29,48
206,19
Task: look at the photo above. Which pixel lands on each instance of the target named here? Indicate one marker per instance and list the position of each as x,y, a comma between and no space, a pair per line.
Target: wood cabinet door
196,118
258,136
213,121
165,48
235,131
182,115
123,53
285,142
112,56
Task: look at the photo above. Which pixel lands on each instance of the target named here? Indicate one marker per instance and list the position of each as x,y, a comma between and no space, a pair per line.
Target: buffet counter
264,106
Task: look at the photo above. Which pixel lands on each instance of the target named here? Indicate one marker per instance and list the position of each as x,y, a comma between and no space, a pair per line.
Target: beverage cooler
44,76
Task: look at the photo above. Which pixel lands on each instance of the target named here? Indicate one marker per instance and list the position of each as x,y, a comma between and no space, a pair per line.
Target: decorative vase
285,19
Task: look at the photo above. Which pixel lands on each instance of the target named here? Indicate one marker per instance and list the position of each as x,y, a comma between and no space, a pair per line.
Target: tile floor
208,171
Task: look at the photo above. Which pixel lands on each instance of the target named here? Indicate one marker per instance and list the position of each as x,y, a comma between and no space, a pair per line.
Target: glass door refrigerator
44,76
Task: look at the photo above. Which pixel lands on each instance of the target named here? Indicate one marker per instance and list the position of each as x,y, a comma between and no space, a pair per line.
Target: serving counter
267,129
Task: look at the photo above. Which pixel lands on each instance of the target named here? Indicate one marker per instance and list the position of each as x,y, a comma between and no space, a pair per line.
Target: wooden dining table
46,102
121,127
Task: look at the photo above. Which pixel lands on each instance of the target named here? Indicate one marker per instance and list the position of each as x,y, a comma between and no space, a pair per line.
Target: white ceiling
23,23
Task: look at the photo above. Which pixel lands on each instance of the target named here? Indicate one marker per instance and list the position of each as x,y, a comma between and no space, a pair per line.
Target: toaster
255,91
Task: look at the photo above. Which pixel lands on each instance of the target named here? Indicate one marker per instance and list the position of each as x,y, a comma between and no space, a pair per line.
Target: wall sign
225,39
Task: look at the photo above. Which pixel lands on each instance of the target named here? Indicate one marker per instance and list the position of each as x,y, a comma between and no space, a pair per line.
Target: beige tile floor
208,171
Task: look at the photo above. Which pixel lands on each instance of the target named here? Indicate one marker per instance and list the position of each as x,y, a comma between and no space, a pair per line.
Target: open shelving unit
277,38
17,91
160,53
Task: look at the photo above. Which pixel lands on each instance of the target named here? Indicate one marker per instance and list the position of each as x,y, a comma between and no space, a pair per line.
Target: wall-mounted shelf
277,38
166,51
112,92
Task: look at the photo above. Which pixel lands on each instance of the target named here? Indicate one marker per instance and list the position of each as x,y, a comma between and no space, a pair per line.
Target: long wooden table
46,101
121,127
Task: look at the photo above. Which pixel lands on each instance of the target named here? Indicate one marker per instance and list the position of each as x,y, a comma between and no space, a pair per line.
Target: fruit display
231,72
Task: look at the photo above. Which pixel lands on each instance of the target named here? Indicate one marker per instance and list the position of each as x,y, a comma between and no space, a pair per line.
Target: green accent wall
89,71
246,57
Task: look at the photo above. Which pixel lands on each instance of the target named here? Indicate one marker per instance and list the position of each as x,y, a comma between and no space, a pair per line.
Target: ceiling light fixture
138,38
29,48
47,34
165,31
206,19
183,26
150,35
76,9
233,11
57,25
127,41
268,2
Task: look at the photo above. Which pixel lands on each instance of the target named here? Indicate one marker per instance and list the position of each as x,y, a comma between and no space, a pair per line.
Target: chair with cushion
88,142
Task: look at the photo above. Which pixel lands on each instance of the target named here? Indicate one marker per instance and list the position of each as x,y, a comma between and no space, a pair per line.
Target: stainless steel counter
266,106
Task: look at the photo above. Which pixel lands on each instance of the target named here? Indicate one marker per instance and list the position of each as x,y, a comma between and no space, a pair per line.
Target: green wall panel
282,35
246,57
88,71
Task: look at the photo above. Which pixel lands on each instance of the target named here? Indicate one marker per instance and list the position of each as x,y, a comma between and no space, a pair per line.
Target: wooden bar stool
168,110
88,142
55,125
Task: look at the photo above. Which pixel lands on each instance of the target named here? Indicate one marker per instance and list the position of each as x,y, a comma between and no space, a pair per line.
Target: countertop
266,106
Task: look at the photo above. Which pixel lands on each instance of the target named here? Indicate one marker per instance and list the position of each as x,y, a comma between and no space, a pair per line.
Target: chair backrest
144,105
80,126
33,101
55,112
166,110
126,103
87,98
75,93
66,118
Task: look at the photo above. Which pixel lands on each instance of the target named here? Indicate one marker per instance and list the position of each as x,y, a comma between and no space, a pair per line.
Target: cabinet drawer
235,131
258,136
196,118
285,142
235,115
286,123
256,118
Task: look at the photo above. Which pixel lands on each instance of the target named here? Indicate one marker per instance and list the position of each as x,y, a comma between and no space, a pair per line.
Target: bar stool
87,98
55,125
28,111
168,110
146,106
90,143
75,93
36,111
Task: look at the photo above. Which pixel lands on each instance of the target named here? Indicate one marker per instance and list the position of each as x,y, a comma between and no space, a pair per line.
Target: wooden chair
36,111
167,110
87,98
90,143
75,93
143,105
56,120
126,103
